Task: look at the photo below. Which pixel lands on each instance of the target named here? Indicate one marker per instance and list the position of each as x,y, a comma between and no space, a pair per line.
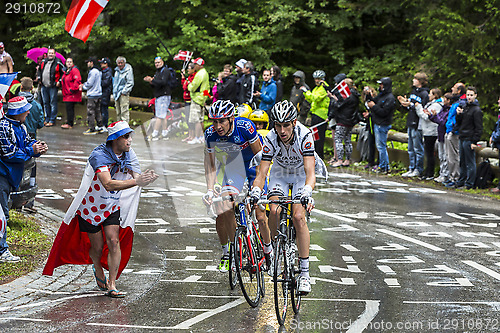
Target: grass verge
25,240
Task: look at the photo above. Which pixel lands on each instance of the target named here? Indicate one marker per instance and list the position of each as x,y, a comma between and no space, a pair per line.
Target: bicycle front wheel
247,268
233,276
281,280
294,274
259,250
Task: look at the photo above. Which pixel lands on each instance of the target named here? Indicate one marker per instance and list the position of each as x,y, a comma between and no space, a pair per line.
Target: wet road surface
385,256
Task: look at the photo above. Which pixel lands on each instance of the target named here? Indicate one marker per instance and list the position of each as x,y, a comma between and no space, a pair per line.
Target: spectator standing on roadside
418,98
297,96
16,147
226,87
163,95
239,65
71,92
94,94
123,83
430,129
249,84
470,127
496,144
345,112
107,90
33,122
381,111
440,119
267,93
199,91
367,95
451,137
50,73
319,100
278,79
6,62
185,81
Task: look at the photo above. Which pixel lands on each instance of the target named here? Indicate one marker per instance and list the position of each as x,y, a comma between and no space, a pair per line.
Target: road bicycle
286,270
247,253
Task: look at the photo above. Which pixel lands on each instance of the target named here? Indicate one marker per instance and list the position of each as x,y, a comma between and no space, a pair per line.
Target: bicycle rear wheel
281,280
233,276
247,268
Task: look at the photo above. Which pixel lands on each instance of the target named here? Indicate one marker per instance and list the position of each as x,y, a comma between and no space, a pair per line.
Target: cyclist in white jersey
290,146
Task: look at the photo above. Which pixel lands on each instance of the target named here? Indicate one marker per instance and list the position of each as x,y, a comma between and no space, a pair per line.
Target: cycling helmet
283,112
221,109
319,74
243,110
259,116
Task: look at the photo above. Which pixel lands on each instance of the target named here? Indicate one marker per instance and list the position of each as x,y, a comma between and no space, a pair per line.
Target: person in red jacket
72,94
187,97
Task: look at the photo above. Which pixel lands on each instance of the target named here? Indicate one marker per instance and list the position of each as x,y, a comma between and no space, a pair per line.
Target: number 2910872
32,8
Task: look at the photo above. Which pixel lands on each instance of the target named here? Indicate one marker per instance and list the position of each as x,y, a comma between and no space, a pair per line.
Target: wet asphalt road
385,255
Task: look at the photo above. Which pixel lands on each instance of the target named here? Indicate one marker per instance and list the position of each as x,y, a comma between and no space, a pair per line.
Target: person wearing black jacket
107,90
381,111
346,114
470,127
226,87
249,84
276,75
419,97
162,93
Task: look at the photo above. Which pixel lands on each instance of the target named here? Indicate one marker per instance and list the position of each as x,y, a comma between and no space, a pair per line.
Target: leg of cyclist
303,242
225,226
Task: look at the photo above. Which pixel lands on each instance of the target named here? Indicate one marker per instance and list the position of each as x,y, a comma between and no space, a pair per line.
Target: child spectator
440,119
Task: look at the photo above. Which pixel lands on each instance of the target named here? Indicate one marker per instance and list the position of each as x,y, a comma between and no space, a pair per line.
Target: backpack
484,174
173,80
495,136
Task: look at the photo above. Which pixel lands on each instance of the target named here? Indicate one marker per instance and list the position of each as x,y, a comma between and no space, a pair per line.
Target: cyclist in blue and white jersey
233,141
290,146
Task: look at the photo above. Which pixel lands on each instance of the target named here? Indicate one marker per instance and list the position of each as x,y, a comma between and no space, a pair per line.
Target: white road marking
334,215
343,281
24,319
392,283
349,248
187,181
188,258
207,268
191,279
386,269
315,247
371,311
482,268
454,302
410,239
55,301
163,232
189,249
186,309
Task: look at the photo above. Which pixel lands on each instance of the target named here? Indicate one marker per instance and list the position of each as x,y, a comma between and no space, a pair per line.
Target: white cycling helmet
283,112
319,74
221,109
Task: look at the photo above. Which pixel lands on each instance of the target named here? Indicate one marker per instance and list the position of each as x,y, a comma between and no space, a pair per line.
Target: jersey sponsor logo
266,149
308,145
237,139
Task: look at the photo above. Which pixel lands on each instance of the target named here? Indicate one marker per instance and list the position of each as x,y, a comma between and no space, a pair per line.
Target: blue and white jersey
234,146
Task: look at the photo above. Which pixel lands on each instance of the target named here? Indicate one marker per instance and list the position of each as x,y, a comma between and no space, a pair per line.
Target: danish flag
183,55
81,17
343,89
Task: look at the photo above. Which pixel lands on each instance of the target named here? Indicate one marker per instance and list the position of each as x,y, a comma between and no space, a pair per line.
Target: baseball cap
1,44
105,60
241,63
199,61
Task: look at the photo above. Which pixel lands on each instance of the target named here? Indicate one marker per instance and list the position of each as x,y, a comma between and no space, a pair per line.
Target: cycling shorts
278,186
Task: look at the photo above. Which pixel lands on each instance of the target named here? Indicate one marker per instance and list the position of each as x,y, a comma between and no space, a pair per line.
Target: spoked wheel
259,251
247,268
233,276
294,274
281,280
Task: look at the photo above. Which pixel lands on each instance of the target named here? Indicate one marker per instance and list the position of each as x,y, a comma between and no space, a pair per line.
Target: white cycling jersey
288,160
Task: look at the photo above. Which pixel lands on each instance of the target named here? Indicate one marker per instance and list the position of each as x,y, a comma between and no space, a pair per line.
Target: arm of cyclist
210,176
260,179
309,163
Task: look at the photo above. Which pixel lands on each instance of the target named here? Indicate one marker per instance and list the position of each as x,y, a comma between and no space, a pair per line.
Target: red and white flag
71,245
183,55
81,17
314,130
343,89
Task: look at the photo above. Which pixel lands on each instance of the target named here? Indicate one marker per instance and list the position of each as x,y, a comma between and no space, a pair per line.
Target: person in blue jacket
16,147
267,93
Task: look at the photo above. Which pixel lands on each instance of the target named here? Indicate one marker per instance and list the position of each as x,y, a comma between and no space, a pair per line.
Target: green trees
450,40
